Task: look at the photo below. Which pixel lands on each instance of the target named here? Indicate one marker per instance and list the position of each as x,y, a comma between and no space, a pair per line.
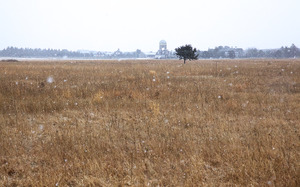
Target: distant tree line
217,52
56,53
229,52
41,53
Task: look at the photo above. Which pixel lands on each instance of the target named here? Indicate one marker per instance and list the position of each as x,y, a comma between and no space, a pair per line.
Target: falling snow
50,80
41,127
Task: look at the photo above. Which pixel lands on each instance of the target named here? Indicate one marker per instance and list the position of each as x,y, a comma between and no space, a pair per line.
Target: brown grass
108,123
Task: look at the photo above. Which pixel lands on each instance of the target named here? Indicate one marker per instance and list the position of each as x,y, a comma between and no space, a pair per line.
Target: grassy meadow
150,123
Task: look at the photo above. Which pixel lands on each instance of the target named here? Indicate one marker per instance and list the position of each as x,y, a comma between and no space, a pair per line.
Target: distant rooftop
162,42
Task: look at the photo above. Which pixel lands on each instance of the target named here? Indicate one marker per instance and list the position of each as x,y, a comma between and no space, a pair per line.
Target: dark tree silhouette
293,51
231,54
186,52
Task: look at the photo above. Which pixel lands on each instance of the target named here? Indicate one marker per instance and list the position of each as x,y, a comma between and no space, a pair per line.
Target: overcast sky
106,25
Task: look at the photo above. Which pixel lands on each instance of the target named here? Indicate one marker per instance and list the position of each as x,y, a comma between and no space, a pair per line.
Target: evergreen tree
186,52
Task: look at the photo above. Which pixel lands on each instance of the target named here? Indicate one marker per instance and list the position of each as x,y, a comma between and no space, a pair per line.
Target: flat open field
150,123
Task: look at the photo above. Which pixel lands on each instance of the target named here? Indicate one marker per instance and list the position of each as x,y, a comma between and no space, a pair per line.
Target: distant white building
150,54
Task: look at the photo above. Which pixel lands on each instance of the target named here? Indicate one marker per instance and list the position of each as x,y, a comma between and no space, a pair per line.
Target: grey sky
106,25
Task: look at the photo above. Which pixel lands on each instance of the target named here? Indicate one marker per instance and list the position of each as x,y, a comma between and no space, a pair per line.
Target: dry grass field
150,123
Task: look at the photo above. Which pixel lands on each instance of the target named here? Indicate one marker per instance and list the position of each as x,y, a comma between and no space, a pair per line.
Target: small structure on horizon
163,52
162,45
